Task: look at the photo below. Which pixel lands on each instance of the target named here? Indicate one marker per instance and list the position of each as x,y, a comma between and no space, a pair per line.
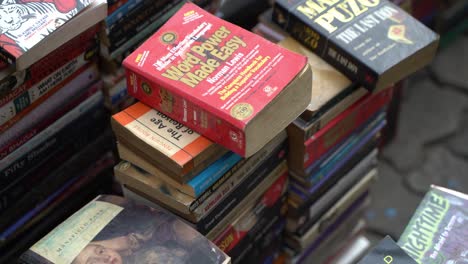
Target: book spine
70,141
273,180
226,205
136,21
118,53
241,183
192,114
121,12
319,168
232,240
309,128
16,109
112,6
309,217
330,224
209,176
319,179
112,3
63,194
266,246
144,8
311,195
18,82
229,180
49,111
26,157
12,121
117,93
323,47
56,178
343,126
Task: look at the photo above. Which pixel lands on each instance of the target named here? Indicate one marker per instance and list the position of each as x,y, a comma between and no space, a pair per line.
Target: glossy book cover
24,23
111,229
373,42
438,231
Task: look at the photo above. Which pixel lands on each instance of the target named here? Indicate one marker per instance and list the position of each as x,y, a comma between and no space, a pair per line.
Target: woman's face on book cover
97,254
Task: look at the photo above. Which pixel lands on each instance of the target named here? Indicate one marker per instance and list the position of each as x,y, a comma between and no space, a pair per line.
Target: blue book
210,175
121,11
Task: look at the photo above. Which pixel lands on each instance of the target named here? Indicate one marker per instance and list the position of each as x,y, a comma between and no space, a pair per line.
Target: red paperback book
220,80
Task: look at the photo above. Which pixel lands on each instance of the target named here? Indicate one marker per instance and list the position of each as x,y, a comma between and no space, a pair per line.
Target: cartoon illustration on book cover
23,23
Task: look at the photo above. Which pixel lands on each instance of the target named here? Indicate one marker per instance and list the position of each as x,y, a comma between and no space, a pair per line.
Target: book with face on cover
31,29
224,82
111,229
438,231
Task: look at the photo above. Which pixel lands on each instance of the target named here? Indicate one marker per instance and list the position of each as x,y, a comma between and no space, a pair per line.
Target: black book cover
373,42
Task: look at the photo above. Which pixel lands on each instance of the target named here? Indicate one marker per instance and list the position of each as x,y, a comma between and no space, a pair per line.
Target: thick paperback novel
174,147
373,42
220,80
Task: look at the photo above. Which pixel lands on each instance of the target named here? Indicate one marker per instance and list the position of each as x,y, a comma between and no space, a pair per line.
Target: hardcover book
372,42
113,229
175,148
31,29
220,80
437,232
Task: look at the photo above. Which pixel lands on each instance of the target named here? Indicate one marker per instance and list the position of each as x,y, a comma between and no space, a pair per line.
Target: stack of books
333,157
53,124
207,141
128,24
356,60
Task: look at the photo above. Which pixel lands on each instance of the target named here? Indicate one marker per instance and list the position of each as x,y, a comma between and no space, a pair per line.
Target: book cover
387,251
26,23
112,228
437,232
219,79
372,42
168,143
